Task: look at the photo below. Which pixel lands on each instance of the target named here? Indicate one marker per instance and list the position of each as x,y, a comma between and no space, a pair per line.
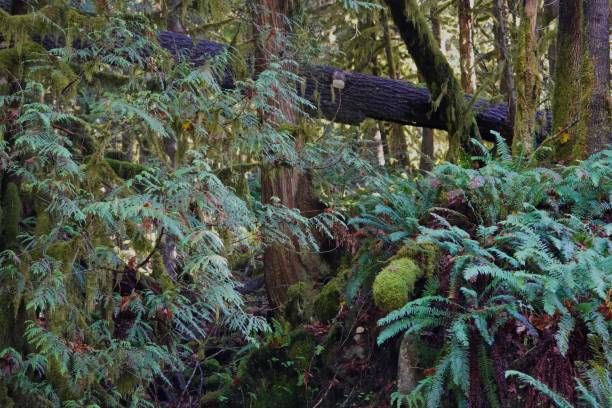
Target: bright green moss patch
395,283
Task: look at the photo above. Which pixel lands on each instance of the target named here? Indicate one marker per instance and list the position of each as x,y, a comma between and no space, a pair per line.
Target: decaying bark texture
566,101
448,99
364,96
283,266
527,80
466,46
598,121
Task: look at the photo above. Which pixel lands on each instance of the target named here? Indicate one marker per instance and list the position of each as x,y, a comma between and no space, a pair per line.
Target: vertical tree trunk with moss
447,95
567,92
597,55
501,42
283,267
466,46
551,12
527,80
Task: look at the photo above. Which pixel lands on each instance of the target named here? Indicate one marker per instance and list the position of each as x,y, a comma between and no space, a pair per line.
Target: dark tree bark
450,104
364,96
598,122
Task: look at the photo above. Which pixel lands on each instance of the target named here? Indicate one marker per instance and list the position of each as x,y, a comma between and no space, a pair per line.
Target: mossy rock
394,285
327,302
298,307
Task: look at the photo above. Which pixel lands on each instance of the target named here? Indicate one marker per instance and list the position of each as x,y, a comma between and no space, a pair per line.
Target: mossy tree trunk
597,51
567,92
446,93
501,42
466,46
527,80
581,98
551,13
283,266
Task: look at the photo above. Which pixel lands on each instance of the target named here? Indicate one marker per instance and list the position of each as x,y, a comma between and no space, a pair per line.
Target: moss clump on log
395,283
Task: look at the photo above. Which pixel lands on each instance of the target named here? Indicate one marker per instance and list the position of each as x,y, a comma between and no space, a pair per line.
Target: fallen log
363,96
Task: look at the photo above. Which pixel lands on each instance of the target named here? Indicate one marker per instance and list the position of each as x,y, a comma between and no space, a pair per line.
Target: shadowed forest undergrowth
263,203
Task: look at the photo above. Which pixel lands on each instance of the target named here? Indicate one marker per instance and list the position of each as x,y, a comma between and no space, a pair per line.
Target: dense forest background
305,203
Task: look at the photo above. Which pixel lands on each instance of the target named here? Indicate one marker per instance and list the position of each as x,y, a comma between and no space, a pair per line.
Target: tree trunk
527,84
567,92
551,12
449,101
501,39
466,46
427,134
598,122
282,266
397,140
175,16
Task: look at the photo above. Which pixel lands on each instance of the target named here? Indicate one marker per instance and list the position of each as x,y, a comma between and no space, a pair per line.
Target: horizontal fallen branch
363,96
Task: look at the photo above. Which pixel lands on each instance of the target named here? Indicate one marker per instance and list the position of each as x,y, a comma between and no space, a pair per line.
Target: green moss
210,398
11,215
425,256
527,87
124,169
302,346
395,283
328,301
270,376
298,307
5,400
127,383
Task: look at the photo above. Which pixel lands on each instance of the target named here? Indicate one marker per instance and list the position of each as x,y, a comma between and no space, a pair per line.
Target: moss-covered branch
446,92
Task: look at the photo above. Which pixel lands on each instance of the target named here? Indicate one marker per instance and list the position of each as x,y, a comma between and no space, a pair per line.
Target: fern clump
524,254
394,285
